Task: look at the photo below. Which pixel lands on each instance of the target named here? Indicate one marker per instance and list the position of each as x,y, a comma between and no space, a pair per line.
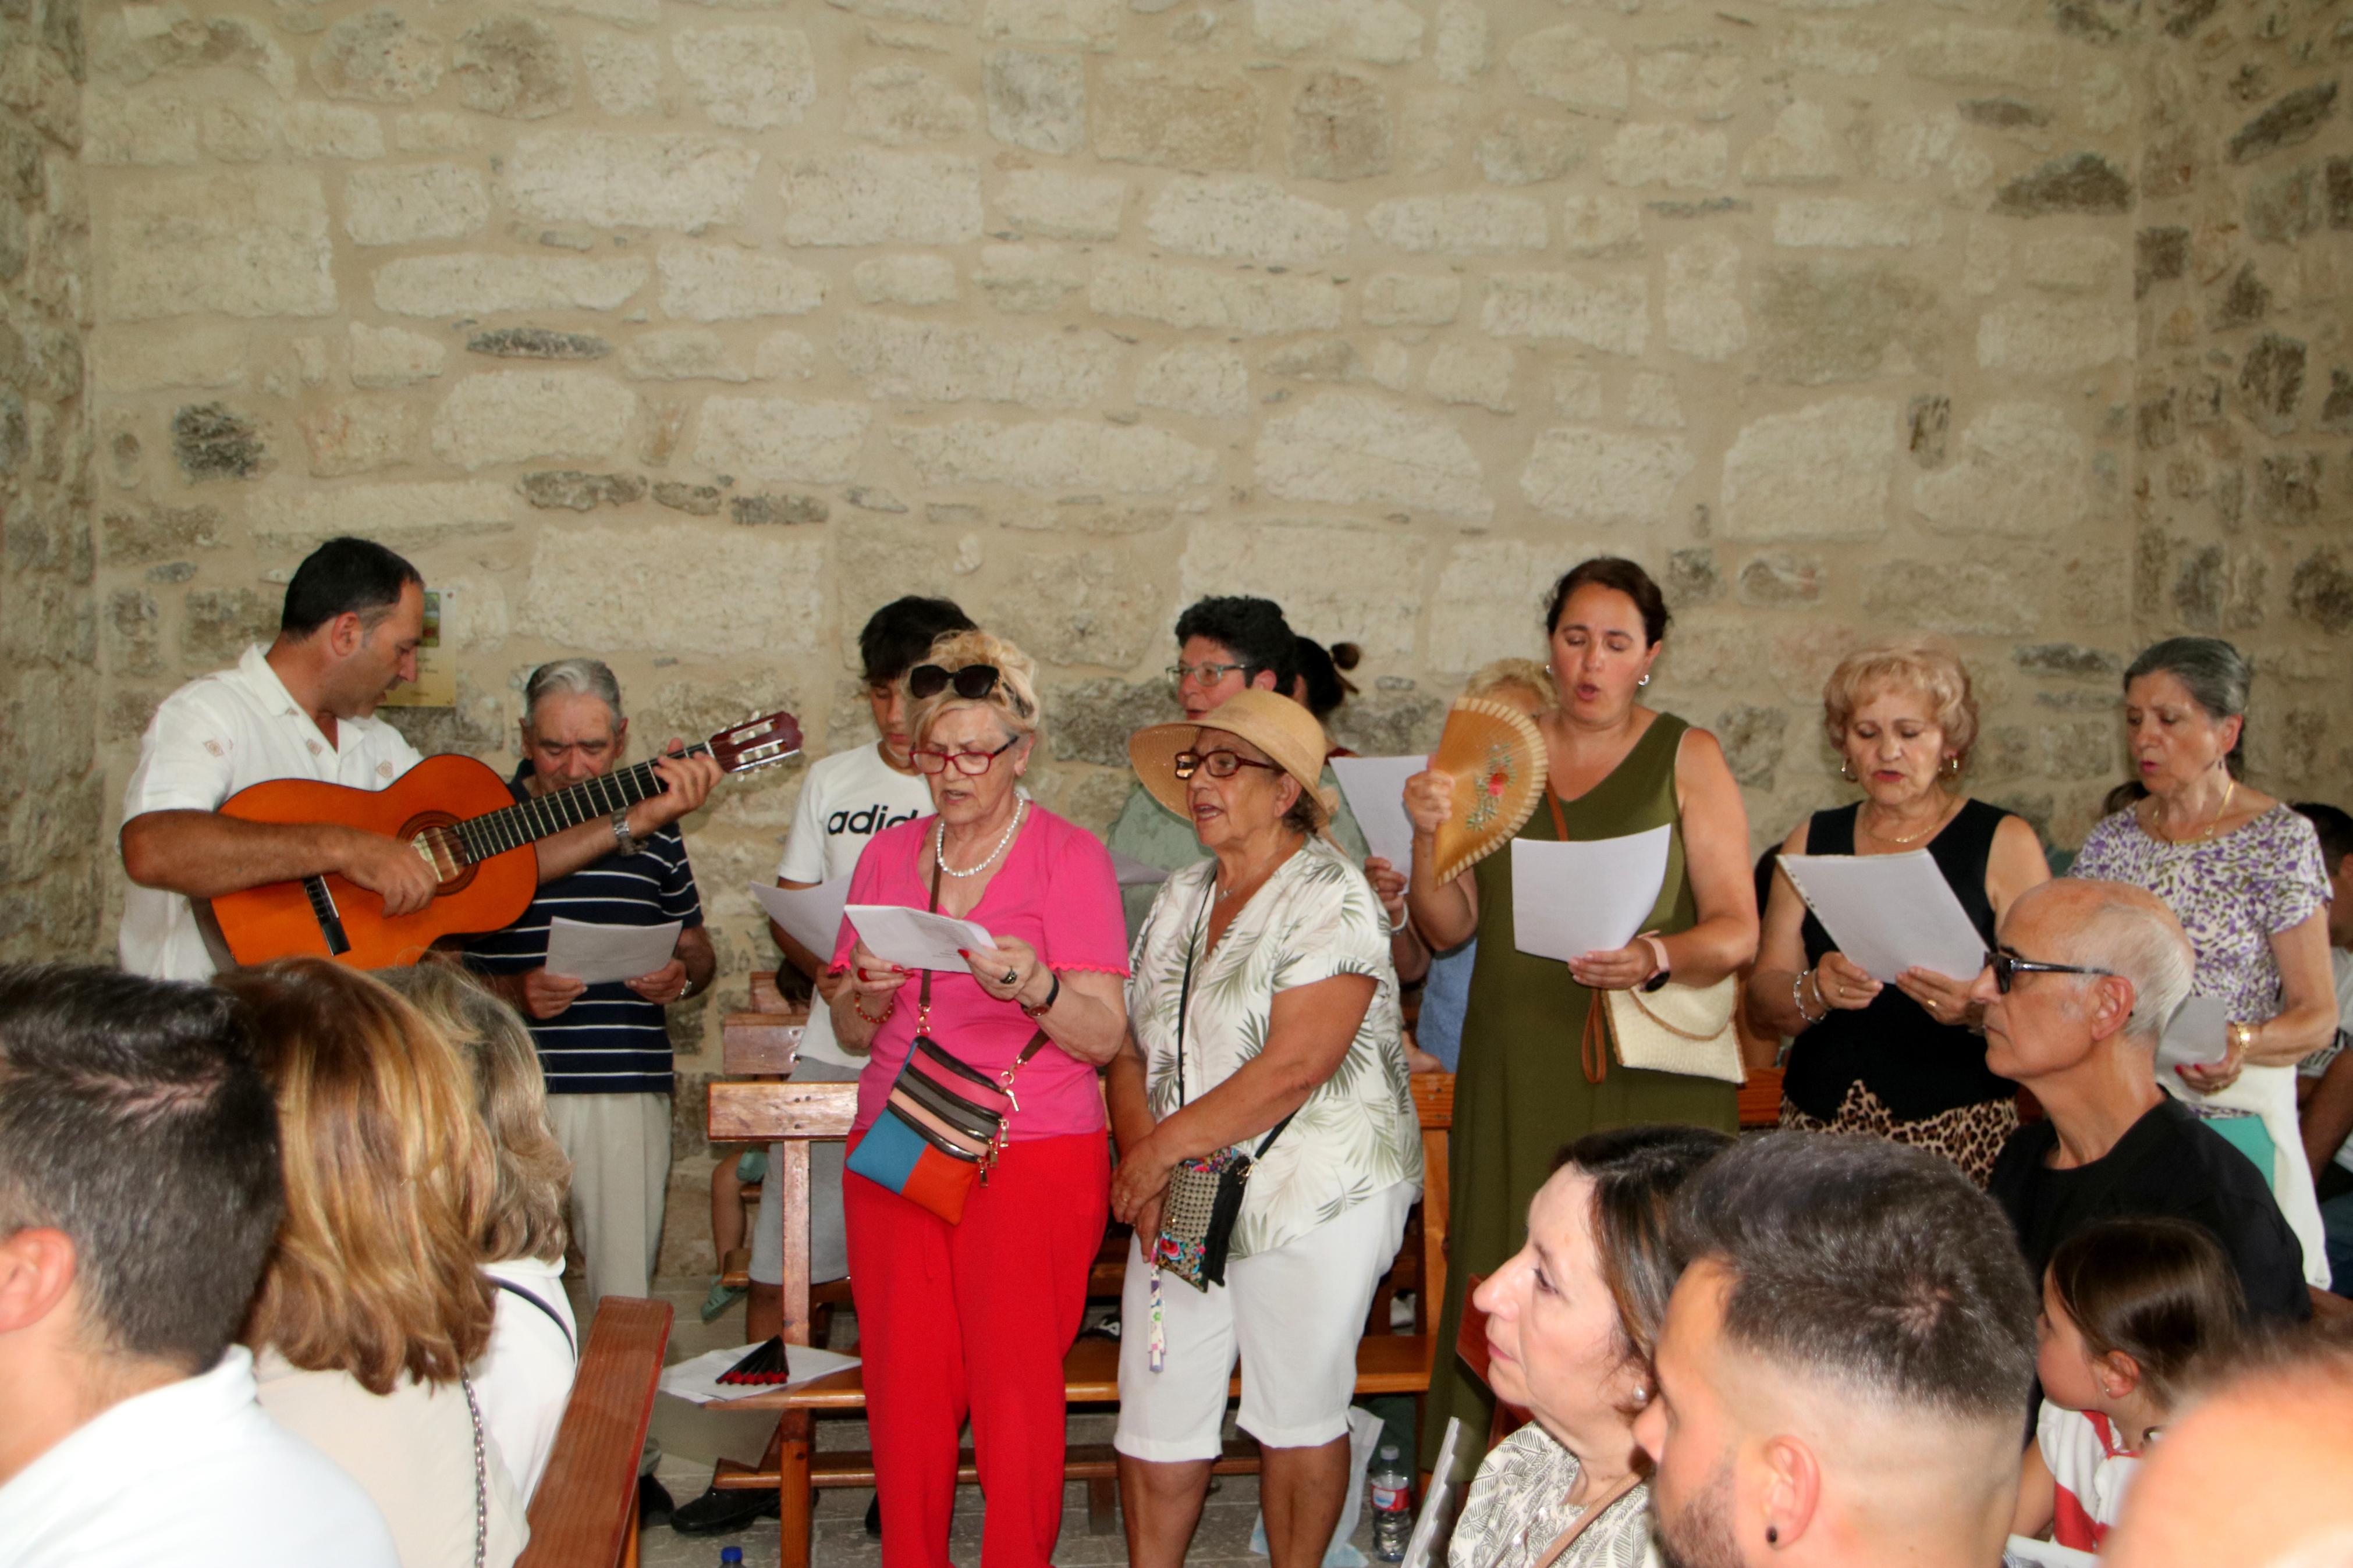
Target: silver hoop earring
1644,681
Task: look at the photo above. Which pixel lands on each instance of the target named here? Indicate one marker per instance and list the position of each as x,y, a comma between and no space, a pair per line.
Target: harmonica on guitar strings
460,818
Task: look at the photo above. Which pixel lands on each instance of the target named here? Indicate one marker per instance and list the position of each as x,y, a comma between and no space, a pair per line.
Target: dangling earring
1952,768
1846,771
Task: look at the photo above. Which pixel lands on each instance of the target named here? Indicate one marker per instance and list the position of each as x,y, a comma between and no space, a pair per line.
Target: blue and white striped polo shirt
611,1040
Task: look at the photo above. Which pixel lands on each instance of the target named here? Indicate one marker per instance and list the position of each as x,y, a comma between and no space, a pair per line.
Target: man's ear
620,740
37,1268
346,634
1792,1494
2114,1008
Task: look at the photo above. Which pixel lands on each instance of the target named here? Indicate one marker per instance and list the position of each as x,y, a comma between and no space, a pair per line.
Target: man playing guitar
354,616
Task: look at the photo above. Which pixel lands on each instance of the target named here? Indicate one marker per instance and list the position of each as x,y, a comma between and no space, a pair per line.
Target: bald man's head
2259,1473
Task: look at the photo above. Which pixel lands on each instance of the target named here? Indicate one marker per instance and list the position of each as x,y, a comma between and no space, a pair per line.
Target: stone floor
693,1437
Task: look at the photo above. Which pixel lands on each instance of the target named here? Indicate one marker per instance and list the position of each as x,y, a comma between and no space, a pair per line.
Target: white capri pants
1293,1315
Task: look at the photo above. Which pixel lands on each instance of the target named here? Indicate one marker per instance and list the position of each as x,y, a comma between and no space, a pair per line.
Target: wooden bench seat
584,1514
795,1115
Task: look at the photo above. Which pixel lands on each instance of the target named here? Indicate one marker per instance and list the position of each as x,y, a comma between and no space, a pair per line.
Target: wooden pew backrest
584,1512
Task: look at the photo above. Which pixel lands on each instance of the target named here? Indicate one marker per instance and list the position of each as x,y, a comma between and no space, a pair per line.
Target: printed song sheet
916,938
1376,790
810,916
1889,913
1585,896
600,952
2198,1035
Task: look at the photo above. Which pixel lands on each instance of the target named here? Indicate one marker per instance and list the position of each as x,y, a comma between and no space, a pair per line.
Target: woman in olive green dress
1615,768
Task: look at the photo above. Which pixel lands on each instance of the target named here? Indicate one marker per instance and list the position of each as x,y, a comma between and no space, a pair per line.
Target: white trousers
2269,1093
619,1148
1294,1316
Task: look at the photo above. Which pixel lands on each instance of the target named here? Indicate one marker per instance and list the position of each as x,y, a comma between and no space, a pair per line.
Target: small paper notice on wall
435,685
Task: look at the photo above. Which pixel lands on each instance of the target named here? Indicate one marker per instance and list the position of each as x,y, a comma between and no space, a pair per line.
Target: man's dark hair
898,635
1252,630
2334,828
1870,1266
133,1118
344,576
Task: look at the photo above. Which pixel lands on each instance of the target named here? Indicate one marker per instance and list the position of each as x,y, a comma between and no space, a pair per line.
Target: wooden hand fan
1495,754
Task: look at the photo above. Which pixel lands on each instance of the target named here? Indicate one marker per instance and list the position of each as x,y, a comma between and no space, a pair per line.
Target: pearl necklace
940,844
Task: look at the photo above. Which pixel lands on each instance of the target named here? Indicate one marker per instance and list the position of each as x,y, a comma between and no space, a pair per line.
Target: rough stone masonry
686,333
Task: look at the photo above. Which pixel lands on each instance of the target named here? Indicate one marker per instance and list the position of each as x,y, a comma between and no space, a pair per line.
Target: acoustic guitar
462,819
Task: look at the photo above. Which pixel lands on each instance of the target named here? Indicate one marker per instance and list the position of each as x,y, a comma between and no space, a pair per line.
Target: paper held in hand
1376,790
916,938
1889,913
2198,1035
1587,895
810,916
596,953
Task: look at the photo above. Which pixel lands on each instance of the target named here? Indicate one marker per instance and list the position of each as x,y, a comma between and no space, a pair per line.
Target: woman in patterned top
2244,874
1571,1319
1264,1016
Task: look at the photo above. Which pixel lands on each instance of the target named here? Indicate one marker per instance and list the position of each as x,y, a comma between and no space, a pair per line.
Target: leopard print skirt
1967,1135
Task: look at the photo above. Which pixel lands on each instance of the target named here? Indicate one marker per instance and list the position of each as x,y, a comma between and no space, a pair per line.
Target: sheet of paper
810,916
1438,1503
1585,896
2047,1553
1376,790
600,952
2198,1035
1890,913
697,1380
915,938
1132,872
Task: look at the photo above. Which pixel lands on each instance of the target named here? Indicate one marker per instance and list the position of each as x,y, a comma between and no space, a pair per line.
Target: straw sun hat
1284,730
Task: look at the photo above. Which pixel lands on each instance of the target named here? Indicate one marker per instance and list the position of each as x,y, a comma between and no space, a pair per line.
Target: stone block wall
53,807
687,333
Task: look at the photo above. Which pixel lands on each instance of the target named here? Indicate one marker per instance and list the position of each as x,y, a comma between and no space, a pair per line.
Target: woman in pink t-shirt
976,1316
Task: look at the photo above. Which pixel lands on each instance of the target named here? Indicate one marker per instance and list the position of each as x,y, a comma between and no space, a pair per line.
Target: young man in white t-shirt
846,799
129,1432
2328,1076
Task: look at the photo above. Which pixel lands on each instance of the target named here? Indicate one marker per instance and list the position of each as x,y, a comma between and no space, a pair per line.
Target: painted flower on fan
1501,772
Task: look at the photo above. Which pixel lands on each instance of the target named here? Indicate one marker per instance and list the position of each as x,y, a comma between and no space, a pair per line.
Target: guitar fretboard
527,821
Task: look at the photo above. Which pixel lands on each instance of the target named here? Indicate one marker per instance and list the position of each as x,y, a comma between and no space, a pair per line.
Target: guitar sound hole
437,843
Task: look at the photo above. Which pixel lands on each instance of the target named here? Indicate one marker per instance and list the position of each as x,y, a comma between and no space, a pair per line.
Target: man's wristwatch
621,835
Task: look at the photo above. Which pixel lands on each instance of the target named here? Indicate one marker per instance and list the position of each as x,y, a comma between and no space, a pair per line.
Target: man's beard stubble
1700,1533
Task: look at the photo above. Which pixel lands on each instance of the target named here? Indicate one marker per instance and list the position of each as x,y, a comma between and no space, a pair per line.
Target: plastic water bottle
731,1557
1392,1491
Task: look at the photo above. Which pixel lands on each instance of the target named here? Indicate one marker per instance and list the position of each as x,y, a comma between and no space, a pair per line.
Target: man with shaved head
2254,1473
1843,1377
2078,990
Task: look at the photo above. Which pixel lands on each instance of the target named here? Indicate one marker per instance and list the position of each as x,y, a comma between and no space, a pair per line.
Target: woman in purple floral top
2244,874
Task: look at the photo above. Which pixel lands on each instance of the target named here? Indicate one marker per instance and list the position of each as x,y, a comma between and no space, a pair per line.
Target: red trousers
975,1318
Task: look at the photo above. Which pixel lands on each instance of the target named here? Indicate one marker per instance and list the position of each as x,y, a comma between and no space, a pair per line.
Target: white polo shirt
210,739
190,1474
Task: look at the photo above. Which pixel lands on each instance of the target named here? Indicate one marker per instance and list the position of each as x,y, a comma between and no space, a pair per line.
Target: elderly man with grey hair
2082,983
605,1048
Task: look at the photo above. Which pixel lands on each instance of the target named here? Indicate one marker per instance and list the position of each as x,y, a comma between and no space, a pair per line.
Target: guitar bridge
329,919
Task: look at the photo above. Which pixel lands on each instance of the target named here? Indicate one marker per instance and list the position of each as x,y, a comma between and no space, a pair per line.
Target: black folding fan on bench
764,1367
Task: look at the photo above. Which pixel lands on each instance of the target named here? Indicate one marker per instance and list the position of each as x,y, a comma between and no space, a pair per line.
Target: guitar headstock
757,742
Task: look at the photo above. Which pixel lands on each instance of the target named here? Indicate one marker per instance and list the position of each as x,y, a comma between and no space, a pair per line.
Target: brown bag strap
1559,823
1595,1046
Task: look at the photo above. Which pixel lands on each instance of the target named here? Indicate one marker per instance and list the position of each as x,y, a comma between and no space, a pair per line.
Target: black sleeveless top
1917,1066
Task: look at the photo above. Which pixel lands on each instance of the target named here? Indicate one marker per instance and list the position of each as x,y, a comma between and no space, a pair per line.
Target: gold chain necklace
2230,790
1943,815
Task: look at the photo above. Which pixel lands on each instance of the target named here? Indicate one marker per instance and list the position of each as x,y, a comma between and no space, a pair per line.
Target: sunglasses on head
2007,966
972,682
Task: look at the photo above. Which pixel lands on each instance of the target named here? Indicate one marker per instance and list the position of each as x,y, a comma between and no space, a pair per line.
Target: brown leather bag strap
1595,1046
1559,823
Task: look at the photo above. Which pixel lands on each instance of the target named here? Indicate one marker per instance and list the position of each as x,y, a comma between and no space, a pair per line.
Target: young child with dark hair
2130,1307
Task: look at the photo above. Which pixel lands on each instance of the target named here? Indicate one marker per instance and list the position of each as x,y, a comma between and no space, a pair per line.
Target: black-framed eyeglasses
2007,966
1202,673
1217,765
972,682
970,764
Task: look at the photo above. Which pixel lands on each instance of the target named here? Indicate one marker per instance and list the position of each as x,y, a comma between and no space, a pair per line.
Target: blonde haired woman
524,1379
374,1306
1906,1061
974,1317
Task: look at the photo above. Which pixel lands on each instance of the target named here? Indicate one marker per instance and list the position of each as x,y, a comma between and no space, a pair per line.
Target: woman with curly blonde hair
1904,1061
525,1375
374,1305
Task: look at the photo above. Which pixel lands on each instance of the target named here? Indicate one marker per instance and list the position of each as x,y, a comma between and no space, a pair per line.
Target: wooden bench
585,1511
796,1115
